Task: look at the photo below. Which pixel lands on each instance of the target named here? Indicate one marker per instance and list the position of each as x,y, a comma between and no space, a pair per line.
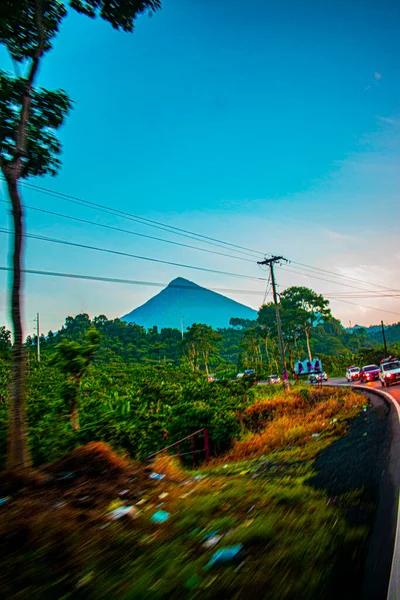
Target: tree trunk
75,416
308,344
18,459
267,354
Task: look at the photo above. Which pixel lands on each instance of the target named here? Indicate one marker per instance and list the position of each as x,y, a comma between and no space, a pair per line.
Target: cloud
336,235
377,76
390,121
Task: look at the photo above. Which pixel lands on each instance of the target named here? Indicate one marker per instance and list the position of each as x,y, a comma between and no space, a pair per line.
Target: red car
369,373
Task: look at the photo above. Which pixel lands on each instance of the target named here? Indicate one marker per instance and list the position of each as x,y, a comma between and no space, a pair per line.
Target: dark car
369,373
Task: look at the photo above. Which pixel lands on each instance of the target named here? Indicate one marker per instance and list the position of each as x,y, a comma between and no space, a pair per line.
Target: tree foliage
73,359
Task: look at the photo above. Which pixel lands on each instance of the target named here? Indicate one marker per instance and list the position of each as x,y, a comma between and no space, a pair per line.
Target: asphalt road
389,507
393,390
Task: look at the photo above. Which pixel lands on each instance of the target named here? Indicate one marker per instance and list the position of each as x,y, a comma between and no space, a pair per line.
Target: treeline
308,329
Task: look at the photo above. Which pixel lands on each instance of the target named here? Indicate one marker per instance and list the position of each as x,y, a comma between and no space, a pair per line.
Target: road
393,390
388,511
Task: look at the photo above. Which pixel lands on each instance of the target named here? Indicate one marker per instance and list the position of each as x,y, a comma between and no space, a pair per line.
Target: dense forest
308,329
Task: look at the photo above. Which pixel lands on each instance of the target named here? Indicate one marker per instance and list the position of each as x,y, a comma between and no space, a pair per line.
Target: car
369,373
273,379
316,377
389,372
353,373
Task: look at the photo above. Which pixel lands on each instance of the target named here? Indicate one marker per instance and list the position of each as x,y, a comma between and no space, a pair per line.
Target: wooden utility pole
270,262
384,338
38,336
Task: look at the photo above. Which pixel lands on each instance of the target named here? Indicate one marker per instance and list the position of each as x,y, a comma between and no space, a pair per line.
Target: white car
274,379
316,377
353,373
389,372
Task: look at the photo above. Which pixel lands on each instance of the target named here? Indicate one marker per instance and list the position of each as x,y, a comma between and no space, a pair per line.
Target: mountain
183,302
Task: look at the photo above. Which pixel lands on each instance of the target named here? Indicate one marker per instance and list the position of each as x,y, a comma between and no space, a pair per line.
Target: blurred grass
294,538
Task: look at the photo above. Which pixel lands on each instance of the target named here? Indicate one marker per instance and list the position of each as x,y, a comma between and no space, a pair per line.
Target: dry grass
94,460
291,420
169,466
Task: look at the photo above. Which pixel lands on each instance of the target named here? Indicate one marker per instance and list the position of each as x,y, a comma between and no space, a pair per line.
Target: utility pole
270,262
384,338
181,324
38,336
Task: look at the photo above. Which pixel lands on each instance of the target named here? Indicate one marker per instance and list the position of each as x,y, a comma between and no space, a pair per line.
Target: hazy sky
272,124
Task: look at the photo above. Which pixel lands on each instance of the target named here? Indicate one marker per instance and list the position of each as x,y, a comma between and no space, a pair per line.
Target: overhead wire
133,281
87,221
129,255
137,218
193,235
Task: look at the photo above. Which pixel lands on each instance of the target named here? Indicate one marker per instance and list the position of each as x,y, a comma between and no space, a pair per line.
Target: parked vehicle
316,377
246,373
389,372
353,373
369,373
274,379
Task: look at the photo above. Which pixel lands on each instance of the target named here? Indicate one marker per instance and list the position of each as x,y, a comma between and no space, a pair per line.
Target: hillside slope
184,302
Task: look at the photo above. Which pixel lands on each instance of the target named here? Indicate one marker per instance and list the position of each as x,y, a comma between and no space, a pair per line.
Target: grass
58,541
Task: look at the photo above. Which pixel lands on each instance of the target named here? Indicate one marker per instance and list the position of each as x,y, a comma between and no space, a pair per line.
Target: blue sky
271,124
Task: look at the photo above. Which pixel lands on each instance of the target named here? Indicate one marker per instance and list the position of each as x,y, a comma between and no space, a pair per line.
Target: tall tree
306,308
200,345
73,360
29,120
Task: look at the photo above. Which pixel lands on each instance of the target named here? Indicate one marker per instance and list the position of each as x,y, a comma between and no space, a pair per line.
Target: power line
137,257
306,274
364,306
78,219
133,281
339,275
186,233
156,284
150,222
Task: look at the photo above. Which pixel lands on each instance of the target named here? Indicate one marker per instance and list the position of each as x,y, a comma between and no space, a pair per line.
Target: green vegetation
294,540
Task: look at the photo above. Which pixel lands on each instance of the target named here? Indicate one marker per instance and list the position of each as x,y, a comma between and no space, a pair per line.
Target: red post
206,445
192,447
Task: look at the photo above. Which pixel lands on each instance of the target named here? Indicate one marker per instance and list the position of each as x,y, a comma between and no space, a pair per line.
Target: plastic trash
160,516
224,555
123,493
4,500
142,501
210,535
315,435
122,511
156,476
163,495
212,541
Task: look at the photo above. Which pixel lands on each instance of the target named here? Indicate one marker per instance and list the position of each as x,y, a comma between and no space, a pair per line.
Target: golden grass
292,420
169,466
